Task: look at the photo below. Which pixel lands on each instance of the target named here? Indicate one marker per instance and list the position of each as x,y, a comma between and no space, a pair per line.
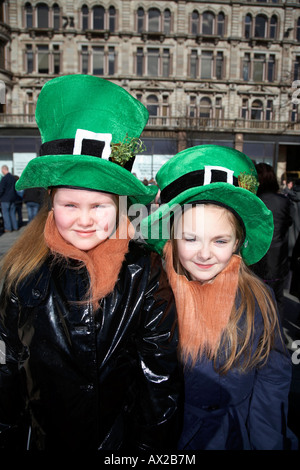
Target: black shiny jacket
84,379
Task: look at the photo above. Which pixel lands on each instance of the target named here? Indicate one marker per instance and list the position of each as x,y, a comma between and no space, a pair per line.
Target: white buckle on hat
208,173
83,134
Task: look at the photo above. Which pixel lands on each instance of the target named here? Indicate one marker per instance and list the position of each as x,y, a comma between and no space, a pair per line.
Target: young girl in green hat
237,370
86,314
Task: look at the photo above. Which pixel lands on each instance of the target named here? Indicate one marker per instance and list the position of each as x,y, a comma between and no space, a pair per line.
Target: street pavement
291,328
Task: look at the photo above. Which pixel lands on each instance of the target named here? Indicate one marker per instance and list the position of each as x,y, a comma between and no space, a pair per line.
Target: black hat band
194,179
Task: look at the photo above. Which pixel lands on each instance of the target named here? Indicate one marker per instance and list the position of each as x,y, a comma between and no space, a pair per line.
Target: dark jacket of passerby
274,265
7,188
34,195
295,269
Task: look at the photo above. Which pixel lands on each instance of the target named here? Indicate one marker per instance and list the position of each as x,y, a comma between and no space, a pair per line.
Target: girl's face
206,240
84,218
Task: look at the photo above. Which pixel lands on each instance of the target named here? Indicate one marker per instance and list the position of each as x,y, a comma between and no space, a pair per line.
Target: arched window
273,27
195,23
248,26
208,23
257,110
152,105
140,20
84,17
56,16
154,20
205,108
42,15
98,17
28,15
260,26
167,21
221,24
112,19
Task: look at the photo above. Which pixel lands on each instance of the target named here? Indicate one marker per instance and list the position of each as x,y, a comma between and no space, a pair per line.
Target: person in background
237,370
273,267
33,198
8,197
86,313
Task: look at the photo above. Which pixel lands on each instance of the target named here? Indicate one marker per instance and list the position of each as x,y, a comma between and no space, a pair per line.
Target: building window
194,64
263,27
98,60
112,19
245,108
153,62
42,15
140,62
273,27
28,15
140,20
271,68
152,105
195,23
166,63
257,110
205,110
269,110
208,23
29,58
297,68
111,60
259,67
84,17
211,64
295,113
154,20
246,67
43,59
206,64
167,21
56,17
56,59
84,60
98,18
221,24
156,62
248,26
260,30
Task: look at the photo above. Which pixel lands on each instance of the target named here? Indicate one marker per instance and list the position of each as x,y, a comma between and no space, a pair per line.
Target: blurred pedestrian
273,268
33,198
295,269
8,198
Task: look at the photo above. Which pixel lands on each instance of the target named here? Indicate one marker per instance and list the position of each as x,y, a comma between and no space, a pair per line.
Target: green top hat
82,120
217,174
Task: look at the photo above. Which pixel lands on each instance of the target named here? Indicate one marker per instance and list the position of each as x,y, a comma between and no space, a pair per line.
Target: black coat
7,188
92,380
274,265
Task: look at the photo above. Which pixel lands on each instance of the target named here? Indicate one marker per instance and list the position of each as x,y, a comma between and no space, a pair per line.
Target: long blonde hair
236,346
28,252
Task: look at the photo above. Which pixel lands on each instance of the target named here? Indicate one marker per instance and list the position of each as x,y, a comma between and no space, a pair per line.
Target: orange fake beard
203,309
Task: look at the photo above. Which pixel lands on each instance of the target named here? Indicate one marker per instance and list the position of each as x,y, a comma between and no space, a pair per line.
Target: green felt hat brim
257,218
89,172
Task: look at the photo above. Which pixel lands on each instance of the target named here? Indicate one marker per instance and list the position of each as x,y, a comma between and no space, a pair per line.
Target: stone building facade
227,72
